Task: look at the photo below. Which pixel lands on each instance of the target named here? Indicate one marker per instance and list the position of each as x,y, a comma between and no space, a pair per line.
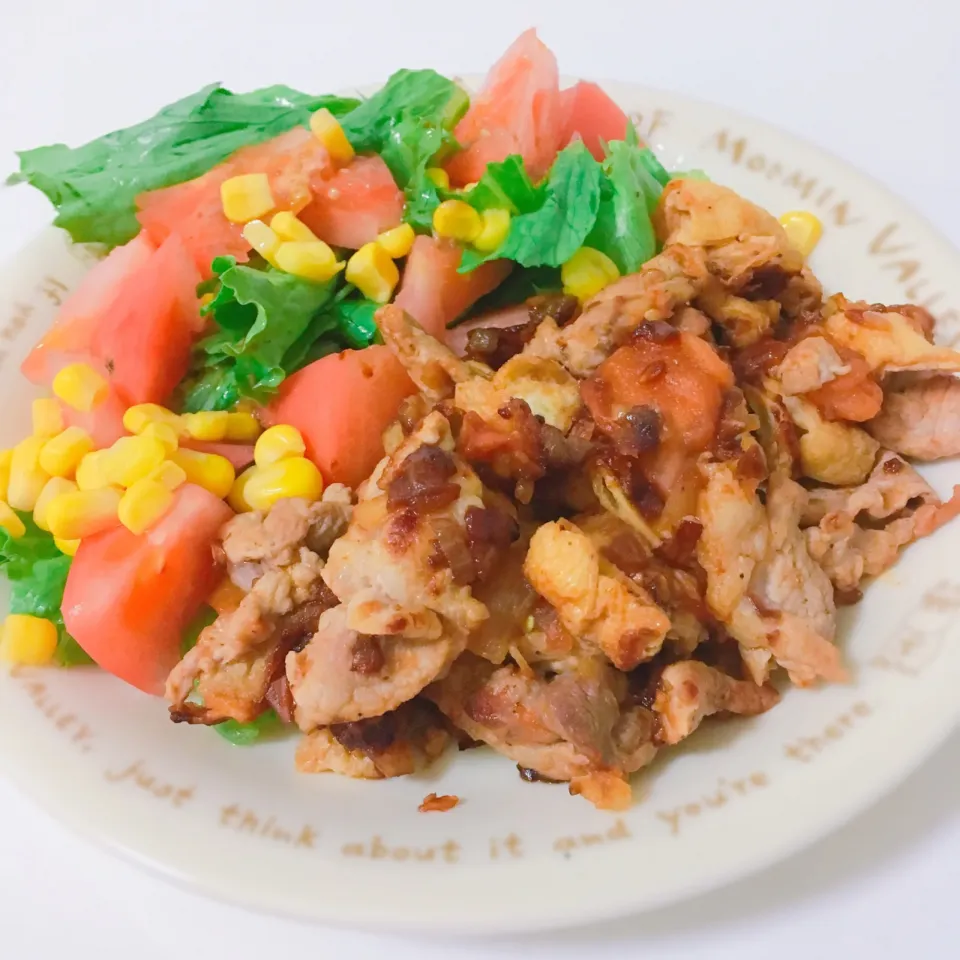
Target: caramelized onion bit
423,483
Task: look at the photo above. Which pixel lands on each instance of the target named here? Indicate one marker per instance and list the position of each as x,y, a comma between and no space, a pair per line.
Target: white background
876,82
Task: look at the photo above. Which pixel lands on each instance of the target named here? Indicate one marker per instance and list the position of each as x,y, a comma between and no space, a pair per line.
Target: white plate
242,825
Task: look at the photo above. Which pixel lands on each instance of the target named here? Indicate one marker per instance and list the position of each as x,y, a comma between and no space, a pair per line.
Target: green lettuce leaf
93,186
37,572
267,725
566,211
506,185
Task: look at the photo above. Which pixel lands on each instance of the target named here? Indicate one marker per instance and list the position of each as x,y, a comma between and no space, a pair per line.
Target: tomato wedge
129,598
590,114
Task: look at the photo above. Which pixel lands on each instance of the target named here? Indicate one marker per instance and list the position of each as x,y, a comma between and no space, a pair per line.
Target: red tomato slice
104,424
239,454
432,291
342,404
589,113
295,163
134,321
516,111
353,206
129,598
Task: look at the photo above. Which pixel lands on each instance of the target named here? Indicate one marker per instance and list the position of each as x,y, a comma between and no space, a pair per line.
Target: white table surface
877,83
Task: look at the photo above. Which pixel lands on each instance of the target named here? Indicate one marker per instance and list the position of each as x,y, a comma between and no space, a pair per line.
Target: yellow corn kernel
79,386
587,272
237,498
61,455
10,522
91,473
372,271
131,458
67,547
29,641
6,458
207,470
291,477
312,260
803,230
246,197
440,177
83,513
206,300
170,474
264,240
168,437
494,229
144,504
278,443
242,427
47,417
457,220
326,128
27,477
52,489
398,241
288,226
209,425
137,418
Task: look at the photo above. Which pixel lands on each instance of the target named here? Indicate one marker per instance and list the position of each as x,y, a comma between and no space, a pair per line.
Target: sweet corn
398,241
326,128
210,425
457,220
47,417
91,473
168,437
67,547
440,177
144,504
207,470
246,197
242,427
79,386
6,458
278,443
131,458
52,489
61,455
169,474
587,272
288,226
372,271
291,477
29,641
83,513
263,239
494,229
312,260
10,522
27,477
803,229
137,418
237,498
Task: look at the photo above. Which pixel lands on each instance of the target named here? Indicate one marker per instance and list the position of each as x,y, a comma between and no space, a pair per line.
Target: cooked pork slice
342,676
810,364
689,691
920,418
594,600
761,581
239,657
662,286
405,741
845,531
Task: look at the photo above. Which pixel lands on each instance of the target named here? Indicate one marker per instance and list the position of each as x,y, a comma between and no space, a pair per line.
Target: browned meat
810,364
690,691
858,532
920,418
394,745
240,656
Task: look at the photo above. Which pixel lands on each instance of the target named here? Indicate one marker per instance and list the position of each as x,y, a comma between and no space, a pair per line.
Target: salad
424,417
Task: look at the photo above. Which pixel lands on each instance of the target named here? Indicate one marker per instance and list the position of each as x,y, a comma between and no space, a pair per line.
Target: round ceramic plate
242,825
